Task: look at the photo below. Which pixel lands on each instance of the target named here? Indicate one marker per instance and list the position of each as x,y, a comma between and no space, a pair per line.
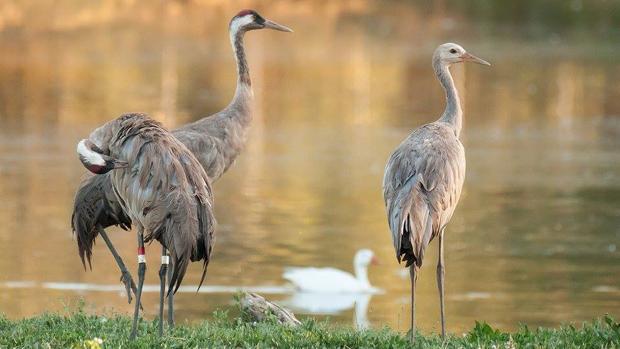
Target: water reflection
539,210
332,304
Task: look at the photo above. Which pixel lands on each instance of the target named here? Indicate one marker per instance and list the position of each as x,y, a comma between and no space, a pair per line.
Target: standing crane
216,141
161,187
424,177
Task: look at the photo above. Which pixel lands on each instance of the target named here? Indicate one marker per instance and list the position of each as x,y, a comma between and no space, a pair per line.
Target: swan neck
361,273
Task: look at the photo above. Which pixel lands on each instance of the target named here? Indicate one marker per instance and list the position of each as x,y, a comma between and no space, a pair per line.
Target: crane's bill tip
471,58
275,26
120,164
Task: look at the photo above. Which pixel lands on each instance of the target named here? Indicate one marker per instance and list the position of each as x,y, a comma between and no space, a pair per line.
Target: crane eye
453,50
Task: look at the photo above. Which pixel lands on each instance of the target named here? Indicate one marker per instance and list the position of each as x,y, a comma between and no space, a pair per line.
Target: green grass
77,329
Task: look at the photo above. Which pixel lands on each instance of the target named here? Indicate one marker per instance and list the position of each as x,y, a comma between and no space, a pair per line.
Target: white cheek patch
87,154
239,23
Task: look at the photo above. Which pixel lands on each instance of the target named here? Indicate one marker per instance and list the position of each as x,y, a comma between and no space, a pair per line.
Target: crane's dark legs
141,271
170,300
414,277
440,280
163,270
125,275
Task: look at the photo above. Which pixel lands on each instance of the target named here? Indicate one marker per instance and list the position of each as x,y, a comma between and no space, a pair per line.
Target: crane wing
216,140
422,184
169,191
207,149
95,207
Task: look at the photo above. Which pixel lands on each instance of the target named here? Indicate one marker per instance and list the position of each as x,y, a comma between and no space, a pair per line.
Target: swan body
331,280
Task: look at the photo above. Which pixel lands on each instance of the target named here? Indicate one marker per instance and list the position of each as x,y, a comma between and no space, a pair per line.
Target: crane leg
414,277
170,302
163,270
141,272
440,284
126,278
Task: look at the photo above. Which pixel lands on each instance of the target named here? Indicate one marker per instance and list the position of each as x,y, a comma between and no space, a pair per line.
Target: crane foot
130,286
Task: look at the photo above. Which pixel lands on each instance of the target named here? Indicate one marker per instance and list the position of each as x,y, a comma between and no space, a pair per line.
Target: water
536,236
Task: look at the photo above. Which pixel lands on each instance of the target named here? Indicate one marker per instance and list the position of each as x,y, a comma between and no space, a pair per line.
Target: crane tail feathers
411,224
187,239
206,222
95,207
83,221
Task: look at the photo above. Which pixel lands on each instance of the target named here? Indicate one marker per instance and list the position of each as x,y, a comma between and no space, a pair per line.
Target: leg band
141,256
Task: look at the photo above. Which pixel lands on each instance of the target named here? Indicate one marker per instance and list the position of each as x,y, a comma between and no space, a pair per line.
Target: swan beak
375,261
471,58
275,26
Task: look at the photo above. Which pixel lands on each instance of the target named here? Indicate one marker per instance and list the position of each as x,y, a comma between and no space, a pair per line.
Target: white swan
331,280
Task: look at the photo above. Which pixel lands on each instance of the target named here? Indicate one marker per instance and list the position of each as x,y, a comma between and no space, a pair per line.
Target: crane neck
243,72
243,94
453,114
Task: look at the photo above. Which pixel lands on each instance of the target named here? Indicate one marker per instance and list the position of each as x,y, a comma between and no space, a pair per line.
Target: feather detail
165,190
421,187
95,207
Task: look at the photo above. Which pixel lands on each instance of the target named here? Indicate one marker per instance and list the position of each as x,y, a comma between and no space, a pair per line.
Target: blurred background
536,236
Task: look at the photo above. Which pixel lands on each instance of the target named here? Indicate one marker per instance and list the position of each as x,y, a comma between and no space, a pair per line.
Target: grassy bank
81,330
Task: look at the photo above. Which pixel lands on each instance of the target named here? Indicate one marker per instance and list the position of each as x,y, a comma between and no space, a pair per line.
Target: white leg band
141,258
165,259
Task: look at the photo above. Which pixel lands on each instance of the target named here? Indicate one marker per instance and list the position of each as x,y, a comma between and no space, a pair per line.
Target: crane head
247,20
450,53
94,159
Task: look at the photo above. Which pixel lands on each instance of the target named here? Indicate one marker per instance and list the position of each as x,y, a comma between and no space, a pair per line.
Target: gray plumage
164,191
216,141
422,185
424,177
95,208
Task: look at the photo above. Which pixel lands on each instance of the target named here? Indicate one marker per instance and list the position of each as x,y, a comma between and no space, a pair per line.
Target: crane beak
275,26
119,164
468,57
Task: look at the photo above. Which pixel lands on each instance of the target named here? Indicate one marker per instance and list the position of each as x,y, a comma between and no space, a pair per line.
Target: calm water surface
536,236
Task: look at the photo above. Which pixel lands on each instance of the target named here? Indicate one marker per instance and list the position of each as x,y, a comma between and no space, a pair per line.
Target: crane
424,177
161,187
